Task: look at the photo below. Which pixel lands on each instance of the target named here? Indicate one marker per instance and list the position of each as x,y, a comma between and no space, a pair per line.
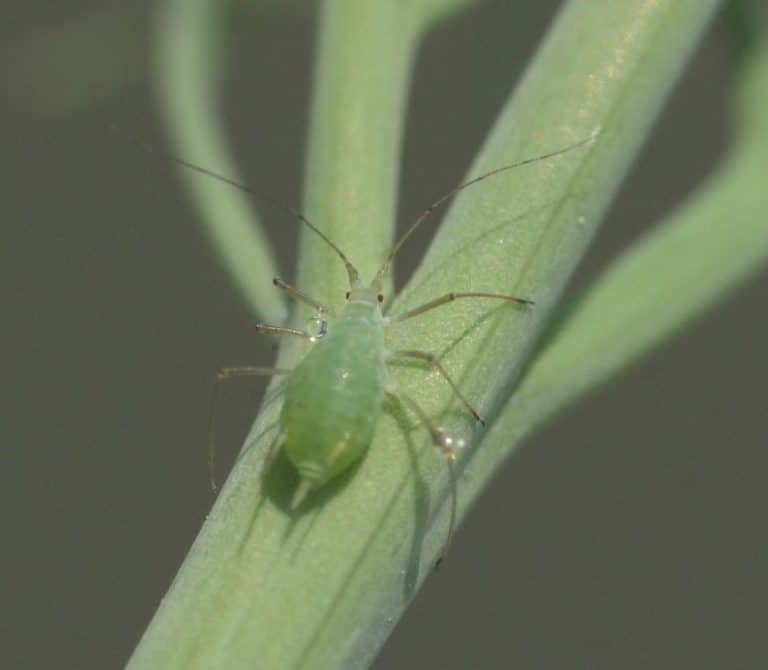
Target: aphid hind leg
223,375
447,446
450,297
431,359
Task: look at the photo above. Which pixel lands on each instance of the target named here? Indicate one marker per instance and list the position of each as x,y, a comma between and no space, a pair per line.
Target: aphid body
334,396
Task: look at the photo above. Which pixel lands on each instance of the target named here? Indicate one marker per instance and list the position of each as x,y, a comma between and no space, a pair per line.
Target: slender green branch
362,71
188,56
355,136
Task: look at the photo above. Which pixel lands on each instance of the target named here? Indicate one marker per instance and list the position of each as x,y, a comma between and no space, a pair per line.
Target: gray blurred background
631,534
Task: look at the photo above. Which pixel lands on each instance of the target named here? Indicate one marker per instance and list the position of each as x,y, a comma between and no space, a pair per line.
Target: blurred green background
631,534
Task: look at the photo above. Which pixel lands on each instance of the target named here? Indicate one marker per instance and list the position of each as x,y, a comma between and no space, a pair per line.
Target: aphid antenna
354,275
385,268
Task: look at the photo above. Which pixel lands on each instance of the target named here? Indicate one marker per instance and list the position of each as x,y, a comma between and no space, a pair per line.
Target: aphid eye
347,295
380,297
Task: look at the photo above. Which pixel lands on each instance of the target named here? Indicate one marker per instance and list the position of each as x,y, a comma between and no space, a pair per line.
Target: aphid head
369,294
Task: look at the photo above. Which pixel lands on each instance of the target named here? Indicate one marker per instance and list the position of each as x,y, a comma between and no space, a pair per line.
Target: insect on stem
334,396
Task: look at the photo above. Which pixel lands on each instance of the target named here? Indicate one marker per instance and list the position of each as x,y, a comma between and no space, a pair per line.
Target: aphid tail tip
301,492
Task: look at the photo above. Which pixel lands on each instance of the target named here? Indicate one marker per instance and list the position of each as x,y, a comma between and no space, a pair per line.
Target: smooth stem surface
322,588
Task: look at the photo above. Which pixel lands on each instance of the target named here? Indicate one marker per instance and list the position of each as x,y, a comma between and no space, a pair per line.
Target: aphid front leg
432,360
223,375
296,294
320,312
265,329
447,446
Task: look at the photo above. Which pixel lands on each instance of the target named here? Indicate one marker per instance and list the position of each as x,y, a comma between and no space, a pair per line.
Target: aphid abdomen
334,397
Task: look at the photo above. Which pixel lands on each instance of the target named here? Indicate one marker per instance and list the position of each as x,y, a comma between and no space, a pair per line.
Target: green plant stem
355,137
188,55
322,588
362,71
697,256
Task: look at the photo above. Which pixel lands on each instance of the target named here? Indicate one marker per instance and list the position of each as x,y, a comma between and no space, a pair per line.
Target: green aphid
333,397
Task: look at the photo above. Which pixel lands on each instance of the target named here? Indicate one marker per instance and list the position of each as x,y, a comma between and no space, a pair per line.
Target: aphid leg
266,329
222,375
296,294
432,360
447,446
450,297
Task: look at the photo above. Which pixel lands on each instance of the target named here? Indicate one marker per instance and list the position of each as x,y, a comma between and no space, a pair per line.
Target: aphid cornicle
333,397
